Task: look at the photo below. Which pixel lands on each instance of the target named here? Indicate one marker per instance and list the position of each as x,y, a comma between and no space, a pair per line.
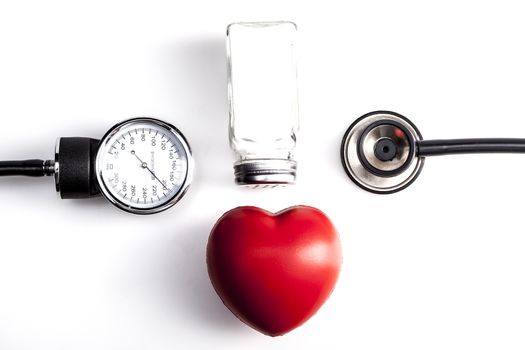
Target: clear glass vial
262,90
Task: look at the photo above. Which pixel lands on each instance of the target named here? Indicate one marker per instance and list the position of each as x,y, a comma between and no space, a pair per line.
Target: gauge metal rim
57,167
185,185
363,177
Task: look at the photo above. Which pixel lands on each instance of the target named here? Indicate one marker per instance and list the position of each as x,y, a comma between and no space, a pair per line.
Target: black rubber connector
385,149
76,176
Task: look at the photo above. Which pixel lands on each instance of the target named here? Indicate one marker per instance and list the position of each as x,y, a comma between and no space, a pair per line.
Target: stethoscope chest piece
384,152
379,152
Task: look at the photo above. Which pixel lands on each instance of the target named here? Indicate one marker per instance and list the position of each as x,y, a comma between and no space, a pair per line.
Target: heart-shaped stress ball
274,271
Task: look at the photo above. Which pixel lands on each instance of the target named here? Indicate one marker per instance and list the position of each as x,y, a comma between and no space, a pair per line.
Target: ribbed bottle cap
265,172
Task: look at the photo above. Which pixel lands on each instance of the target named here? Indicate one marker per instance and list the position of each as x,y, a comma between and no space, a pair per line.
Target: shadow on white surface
29,183
41,191
94,203
184,284
195,72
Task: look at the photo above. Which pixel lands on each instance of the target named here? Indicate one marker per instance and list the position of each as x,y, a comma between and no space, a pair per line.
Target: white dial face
143,165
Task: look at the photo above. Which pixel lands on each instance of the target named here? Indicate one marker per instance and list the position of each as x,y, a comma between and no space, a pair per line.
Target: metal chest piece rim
379,152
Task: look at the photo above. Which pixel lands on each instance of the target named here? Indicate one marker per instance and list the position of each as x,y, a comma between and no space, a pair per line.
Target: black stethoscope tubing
427,148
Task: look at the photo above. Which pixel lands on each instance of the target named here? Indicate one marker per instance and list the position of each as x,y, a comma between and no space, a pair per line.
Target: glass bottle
262,91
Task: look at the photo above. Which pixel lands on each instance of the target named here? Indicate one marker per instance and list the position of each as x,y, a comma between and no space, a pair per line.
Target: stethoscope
384,152
141,165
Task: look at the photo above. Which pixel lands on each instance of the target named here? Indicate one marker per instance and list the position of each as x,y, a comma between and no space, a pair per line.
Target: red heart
274,271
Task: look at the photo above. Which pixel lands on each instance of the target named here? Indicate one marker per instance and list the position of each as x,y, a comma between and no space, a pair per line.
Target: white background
439,265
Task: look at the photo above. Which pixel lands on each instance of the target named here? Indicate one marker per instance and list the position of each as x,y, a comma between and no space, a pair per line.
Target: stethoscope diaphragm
378,152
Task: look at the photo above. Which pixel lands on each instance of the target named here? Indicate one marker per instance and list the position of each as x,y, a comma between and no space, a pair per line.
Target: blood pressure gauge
383,152
141,165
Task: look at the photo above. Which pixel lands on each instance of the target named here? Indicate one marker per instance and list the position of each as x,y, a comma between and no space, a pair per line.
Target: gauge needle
145,166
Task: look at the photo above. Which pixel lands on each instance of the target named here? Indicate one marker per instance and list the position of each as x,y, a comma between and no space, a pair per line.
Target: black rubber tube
426,148
29,167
